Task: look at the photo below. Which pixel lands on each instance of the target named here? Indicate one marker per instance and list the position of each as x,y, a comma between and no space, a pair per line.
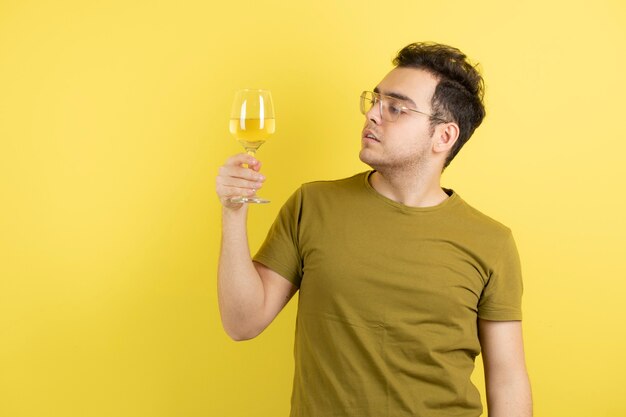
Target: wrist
235,211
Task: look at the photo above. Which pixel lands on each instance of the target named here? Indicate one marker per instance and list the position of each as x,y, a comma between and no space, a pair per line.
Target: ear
446,136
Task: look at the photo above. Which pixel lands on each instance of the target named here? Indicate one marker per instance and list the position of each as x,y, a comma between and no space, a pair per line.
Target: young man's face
407,142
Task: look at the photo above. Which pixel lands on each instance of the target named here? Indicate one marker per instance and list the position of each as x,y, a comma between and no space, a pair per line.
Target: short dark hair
459,94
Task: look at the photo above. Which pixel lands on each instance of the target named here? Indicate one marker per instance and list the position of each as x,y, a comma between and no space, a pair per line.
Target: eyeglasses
390,108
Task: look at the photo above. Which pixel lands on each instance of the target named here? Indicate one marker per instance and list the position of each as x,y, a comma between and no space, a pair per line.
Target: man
402,284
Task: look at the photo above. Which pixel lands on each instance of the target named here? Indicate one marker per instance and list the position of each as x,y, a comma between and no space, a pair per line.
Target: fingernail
261,177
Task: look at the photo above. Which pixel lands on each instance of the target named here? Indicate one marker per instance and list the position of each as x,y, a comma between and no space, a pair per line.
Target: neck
410,189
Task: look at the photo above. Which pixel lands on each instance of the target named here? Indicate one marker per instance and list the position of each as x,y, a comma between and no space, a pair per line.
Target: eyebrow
396,95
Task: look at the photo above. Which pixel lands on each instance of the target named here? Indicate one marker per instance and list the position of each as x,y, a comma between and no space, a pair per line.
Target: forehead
415,84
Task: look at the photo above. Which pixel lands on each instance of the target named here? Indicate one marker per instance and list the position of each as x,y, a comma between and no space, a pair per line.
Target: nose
374,114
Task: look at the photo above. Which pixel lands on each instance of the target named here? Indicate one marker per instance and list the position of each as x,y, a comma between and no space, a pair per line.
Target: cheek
405,136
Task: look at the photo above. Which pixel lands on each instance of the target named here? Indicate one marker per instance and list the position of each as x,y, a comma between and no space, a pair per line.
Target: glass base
254,199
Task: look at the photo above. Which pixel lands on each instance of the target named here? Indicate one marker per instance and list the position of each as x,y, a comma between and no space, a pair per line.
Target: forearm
240,289
509,397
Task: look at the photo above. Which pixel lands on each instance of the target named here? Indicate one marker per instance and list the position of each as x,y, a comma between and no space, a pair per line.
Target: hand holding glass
252,122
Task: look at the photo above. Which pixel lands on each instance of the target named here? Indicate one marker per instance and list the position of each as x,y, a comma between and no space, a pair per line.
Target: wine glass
252,122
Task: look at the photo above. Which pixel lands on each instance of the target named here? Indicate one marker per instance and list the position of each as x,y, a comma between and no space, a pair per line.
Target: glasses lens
392,109
367,101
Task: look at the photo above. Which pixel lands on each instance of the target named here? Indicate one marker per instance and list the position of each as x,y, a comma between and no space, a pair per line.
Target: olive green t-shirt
389,299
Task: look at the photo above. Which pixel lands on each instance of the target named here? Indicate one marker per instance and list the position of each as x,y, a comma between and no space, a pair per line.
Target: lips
368,134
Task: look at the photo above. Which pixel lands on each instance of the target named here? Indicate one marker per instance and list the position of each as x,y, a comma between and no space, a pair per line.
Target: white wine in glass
252,122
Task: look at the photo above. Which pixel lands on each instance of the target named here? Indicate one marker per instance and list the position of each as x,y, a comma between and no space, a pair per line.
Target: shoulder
327,188
479,222
326,192
490,241
354,180
329,196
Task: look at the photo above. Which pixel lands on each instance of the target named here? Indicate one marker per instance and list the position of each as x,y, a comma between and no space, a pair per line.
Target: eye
395,108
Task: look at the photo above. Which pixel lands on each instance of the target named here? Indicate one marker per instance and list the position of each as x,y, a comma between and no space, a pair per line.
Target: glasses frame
403,109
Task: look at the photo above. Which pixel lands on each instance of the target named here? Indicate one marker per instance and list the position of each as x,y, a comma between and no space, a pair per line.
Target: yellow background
113,122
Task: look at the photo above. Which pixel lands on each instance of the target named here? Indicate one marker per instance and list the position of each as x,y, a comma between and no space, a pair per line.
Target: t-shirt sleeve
501,299
280,251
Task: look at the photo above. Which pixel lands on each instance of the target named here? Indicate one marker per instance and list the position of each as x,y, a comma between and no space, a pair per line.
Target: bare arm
250,295
506,379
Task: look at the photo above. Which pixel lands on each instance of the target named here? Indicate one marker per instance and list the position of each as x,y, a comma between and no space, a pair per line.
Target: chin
363,156
367,159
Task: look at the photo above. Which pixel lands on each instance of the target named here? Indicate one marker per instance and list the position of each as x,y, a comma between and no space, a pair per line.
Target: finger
227,182
255,165
229,171
227,193
242,158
